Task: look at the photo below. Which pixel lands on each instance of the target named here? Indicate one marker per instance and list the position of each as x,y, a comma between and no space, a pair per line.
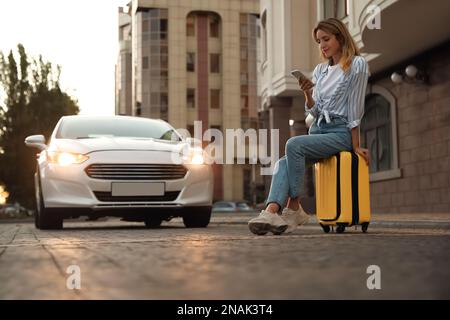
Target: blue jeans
303,151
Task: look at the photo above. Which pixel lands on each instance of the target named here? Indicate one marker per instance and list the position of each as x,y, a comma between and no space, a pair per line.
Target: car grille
136,171
106,196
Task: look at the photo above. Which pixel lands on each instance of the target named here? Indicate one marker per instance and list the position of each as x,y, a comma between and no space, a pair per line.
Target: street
122,260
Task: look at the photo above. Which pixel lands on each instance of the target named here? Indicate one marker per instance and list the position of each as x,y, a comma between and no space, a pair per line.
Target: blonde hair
340,31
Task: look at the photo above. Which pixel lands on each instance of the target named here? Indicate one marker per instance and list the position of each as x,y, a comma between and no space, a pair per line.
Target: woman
337,103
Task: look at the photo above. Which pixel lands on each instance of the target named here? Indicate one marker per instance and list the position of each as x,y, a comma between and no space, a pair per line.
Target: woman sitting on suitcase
337,103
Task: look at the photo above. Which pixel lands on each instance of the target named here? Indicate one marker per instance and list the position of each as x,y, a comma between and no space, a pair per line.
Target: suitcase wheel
365,226
340,228
325,228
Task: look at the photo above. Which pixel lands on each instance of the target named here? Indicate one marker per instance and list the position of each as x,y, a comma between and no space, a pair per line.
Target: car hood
85,146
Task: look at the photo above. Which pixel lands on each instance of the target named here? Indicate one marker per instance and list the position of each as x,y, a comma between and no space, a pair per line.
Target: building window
214,24
376,132
144,25
163,25
145,63
335,9
190,98
215,98
190,62
190,26
379,134
214,63
164,102
244,102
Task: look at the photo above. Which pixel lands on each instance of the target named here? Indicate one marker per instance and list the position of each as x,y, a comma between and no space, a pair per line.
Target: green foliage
33,103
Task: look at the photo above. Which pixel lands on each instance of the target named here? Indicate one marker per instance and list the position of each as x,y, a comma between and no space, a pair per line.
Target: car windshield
222,205
242,205
86,128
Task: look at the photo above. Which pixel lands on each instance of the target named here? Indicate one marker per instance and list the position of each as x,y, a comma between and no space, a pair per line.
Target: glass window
144,25
190,62
243,205
335,9
214,26
163,25
215,98
154,49
244,102
164,62
244,53
244,78
244,31
154,98
106,126
376,132
164,50
154,61
190,26
154,13
154,25
145,63
215,63
190,98
164,102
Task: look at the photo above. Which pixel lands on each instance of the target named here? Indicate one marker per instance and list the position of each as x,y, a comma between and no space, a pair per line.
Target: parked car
14,211
231,206
120,166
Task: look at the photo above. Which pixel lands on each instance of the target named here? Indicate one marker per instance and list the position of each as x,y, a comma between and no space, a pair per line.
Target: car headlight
197,159
193,156
65,158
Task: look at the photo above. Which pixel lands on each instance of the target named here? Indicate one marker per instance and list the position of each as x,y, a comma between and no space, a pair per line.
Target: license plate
137,189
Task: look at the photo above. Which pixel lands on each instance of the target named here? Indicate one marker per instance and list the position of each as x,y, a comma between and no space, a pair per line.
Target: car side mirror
36,141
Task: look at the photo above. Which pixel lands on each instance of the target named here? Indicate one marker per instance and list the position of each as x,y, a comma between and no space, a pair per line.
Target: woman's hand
306,85
364,153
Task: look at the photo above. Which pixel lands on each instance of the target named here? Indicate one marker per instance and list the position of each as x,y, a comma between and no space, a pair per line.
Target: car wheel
152,223
43,219
197,218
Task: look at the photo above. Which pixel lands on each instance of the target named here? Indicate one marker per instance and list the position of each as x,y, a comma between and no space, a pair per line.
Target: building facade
123,66
195,61
406,125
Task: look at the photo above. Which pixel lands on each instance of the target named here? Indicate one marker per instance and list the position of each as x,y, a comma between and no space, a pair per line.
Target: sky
79,35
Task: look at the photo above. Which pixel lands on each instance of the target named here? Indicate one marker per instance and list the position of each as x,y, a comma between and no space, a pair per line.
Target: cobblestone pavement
122,260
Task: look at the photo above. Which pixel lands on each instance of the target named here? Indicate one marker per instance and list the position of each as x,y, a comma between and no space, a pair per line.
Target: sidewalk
387,220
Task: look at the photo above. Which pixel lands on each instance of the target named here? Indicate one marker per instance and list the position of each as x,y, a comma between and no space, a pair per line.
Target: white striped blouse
347,100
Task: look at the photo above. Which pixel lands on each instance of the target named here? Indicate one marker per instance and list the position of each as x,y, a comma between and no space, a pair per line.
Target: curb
419,224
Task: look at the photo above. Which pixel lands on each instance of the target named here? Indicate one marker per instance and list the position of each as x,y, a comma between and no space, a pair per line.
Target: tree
33,104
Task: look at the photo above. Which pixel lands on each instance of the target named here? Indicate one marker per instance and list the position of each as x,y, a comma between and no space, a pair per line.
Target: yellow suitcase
342,192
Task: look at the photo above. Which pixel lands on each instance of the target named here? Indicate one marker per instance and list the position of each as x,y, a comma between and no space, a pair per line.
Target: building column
279,115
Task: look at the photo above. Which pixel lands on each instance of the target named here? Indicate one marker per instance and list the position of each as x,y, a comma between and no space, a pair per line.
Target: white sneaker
294,218
266,222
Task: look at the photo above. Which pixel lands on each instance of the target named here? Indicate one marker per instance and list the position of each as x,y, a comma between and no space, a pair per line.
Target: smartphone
299,75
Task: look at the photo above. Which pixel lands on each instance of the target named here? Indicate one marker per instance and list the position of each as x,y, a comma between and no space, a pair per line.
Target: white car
139,169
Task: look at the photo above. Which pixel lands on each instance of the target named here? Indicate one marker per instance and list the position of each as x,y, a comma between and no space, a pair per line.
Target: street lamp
411,75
